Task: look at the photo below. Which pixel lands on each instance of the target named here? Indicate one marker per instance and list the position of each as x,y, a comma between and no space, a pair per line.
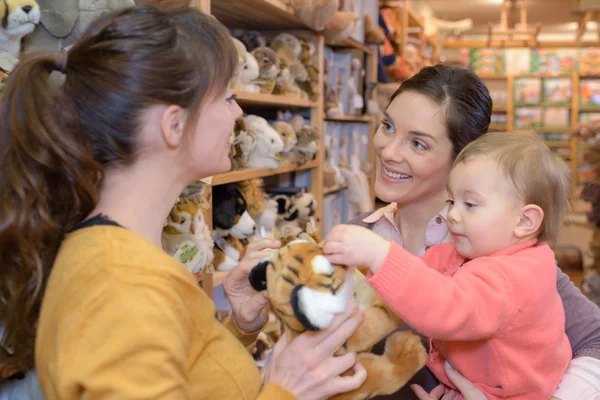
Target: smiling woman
429,120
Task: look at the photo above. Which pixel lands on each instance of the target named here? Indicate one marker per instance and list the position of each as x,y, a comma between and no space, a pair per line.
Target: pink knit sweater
498,320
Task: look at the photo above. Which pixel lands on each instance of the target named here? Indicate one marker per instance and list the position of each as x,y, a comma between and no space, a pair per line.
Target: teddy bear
268,143
306,292
289,137
268,64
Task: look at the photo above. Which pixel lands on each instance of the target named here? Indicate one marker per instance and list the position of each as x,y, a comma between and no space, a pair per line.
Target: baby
487,300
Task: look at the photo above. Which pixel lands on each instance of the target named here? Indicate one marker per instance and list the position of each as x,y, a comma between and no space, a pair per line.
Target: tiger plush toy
306,291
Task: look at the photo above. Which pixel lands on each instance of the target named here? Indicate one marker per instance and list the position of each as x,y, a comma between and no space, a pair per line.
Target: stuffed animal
268,143
289,137
242,143
315,13
251,39
19,18
332,106
294,212
232,224
341,26
62,22
247,72
268,64
307,146
165,4
254,194
310,86
373,34
306,292
187,237
288,48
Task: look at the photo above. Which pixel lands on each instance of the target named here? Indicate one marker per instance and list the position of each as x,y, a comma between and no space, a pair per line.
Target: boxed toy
589,61
528,117
558,91
528,91
588,116
589,92
487,61
553,61
556,117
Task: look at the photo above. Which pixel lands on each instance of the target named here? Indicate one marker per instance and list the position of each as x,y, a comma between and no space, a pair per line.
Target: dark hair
469,105
57,143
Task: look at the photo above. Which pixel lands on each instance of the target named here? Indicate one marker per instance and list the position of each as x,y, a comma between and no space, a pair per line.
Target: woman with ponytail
88,175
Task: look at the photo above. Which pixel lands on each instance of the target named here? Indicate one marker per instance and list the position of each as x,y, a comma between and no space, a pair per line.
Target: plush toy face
307,139
268,140
305,204
287,133
268,62
305,289
230,213
185,217
19,17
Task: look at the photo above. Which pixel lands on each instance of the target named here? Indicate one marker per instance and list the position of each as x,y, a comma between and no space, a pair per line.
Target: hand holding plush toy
354,245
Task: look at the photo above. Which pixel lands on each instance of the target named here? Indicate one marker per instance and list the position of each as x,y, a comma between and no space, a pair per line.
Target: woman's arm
582,325
582,319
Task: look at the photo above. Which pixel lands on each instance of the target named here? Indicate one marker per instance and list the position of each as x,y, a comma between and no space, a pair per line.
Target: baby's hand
355,246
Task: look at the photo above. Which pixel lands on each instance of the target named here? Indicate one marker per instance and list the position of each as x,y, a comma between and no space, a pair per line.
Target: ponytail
48,183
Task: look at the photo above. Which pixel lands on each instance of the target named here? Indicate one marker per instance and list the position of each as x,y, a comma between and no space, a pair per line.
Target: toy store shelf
334,189
262,99
351,118
543,76
557,143
256,14
589,108
351,43
249,173
500,109
543,105
498,127
492,76
544,129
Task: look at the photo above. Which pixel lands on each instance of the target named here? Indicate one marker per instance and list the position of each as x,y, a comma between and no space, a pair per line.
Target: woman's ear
172,125
530,221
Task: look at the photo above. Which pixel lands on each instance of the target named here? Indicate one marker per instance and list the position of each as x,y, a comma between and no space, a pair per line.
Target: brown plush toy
306,291
166,4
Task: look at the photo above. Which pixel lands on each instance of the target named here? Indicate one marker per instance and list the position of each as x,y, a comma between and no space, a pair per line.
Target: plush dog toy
19,18
306,291
232,225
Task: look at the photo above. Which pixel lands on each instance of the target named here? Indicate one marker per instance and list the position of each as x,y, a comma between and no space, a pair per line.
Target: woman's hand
250,308
355,246
465,387
307,368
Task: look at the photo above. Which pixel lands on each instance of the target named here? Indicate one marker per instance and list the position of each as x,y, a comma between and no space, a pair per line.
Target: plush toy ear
258,276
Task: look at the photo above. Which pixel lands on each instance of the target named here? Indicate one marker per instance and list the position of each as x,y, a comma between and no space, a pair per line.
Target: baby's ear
258,276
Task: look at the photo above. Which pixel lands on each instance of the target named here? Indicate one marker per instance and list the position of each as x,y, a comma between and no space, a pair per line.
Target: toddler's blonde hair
539,176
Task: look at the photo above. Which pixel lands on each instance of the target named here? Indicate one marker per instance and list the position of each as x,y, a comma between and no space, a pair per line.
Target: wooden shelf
249,173
352,44
588,108
351,118
262,99
543,105
558,143
500,109
334,189
256,14
495,77
498,127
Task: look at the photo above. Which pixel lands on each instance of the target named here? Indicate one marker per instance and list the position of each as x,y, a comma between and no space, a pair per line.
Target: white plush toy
248,70
268,143
19,18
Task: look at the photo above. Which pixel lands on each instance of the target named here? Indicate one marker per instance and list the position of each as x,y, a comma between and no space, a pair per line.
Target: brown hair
469,105
56,144
539,175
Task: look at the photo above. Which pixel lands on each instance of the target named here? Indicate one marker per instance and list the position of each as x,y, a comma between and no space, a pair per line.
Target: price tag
189,254
207,181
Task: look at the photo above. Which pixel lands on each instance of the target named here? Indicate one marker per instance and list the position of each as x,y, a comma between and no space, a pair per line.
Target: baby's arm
472,304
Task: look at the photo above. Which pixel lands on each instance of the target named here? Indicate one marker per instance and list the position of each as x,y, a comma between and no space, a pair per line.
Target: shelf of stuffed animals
249,173
256,14
274,100
352,118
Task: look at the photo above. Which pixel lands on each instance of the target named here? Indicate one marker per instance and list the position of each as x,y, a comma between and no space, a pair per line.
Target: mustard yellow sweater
122,320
